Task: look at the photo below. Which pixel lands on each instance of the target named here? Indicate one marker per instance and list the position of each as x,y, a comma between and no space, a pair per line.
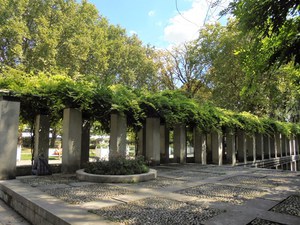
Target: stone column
41,136
217,148
297,144
231,146
259,145
277,145
251,147
208,148
283,144
197,145
85,143
72,128
292,145
241,146
180,143
294,166
267,146
164,143
9,123
287,149
204,149
140,144
272,146
153,140
117,141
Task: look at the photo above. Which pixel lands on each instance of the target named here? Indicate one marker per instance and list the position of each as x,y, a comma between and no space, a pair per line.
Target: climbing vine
50,94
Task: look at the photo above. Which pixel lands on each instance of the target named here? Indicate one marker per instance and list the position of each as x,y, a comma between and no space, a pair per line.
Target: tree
52,35
129,63
221,47
183,67
68,37
278,20
238,77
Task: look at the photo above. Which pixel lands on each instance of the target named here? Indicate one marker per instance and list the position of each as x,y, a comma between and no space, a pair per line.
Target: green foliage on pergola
50,94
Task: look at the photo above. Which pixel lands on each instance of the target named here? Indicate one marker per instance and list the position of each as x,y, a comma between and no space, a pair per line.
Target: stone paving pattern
290,206
158,211
223,193
184,194
259,221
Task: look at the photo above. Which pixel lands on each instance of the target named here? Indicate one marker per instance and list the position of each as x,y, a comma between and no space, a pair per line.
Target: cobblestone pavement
183,194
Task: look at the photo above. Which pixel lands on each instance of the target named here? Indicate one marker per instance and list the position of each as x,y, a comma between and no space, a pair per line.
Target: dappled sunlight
158,211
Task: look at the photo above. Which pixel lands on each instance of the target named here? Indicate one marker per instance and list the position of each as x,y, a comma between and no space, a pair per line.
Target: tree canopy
55,36
61,53
277,20
51,94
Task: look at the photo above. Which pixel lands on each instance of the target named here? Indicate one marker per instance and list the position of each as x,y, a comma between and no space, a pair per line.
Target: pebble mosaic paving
159,211
161,182
37,181
87,193
290,206
275,173
223,193
235,189
71,190
253,181
189,175
259,221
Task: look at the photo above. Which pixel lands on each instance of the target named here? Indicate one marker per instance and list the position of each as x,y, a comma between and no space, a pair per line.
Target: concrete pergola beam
118,130
72,128
241,146
259,142
153,140
164,143
251,147
180,147
217,148
41,136
278,145
267,146
85,142
231,147
9,123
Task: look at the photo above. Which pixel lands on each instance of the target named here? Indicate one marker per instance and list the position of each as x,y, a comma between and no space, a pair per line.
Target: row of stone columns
75,139
72,157
153,141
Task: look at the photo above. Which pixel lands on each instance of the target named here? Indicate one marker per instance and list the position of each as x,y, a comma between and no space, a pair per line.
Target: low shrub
118,166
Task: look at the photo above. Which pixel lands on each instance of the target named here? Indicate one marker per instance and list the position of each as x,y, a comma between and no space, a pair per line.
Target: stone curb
83,176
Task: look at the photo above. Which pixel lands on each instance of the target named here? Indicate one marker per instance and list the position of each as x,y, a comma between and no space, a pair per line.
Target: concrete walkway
182,194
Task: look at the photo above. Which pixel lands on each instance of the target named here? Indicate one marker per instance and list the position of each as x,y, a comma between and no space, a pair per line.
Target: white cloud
132,32
151,13
185,26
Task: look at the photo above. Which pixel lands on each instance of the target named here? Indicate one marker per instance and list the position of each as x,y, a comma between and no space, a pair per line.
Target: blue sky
157,22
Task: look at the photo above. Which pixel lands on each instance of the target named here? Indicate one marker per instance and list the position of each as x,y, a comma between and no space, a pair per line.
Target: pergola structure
235,148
